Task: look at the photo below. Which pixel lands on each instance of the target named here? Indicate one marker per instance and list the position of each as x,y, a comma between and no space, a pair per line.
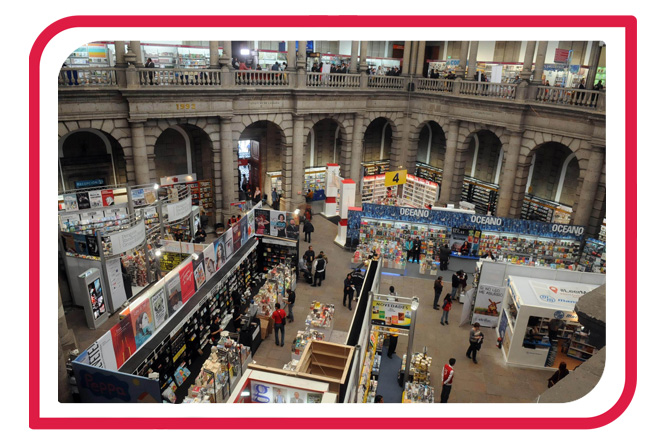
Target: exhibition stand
262,386
332,186
415,192
346,202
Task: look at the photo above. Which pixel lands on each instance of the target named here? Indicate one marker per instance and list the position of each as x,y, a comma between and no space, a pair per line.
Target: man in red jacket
448,376
279,317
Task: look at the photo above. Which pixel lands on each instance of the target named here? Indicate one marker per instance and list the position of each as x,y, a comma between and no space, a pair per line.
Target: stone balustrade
97,77
146,77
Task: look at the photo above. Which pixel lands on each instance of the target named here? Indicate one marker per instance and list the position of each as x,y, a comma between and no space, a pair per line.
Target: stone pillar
214,54
406,58
419,64
353,56
528,60
539,62
346,158
228,170
450,158
226,55
217,169
363,59
139,150
414,49
472,60
508,176
356,149
302,55
291,56
463,60
120,63
589,186
593,61
136,48
292,168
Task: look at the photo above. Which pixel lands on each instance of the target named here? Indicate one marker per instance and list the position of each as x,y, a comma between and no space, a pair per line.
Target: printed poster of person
159,307
95,199
143,324
107,197
187,283
199,271
237,237
124,344
293,227
219,253
278,224
71,203
174,293
210,261
243,230
262,225
138,197
228,243
251,224
83,200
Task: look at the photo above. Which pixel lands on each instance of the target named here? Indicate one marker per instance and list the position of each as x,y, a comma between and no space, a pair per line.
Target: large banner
390,314
143,322
210,261
187,281
228,243
124,343
97,385
179,210
100,353
199,271
262,218
237,237
128,239
251,227
243,230
174,294
488,305
278,224
159,307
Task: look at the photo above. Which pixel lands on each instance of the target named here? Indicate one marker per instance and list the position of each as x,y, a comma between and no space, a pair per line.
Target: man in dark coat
445,253
308,229
417,247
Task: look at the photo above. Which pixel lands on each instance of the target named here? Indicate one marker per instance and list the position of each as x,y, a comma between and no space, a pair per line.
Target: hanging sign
88,183
488,305
128,239
393,178
390,314
561,55
179,210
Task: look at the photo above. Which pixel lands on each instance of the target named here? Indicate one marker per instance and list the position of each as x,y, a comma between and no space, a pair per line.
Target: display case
579,348
314,179
418,393
593,258
530,250
419,192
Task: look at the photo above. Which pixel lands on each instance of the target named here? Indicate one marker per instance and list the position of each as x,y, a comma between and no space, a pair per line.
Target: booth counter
538,325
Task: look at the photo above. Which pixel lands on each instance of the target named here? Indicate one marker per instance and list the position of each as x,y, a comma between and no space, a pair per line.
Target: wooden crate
325,361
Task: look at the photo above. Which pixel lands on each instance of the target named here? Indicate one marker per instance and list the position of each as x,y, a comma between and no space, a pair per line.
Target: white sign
568,229
421,213
553,295
114,273
182,178
179,210
101,353
486,220
128,239
488,305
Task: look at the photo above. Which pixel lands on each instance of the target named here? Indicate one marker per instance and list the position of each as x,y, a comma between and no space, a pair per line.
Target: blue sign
98,385
461,220
89,183
310,45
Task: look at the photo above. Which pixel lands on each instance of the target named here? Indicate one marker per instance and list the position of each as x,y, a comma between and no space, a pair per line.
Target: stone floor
488,381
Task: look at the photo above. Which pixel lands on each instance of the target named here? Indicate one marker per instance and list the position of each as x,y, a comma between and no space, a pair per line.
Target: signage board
128,239
393,178
390,313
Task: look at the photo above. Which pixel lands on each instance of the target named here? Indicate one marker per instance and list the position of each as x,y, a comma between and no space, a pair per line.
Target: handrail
261,78
333,80
488,89
178,77
568,96
88,76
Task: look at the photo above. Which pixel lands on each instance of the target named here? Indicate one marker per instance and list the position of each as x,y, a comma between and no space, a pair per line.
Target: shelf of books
536,208
593,258
376,167
579,348
314,179
483,194
417,192
420,192
525,249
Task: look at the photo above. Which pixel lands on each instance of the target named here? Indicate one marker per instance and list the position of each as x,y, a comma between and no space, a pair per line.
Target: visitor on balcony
275,66
150,65
235,63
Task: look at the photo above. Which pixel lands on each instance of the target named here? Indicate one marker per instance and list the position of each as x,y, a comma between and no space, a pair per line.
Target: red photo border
626,22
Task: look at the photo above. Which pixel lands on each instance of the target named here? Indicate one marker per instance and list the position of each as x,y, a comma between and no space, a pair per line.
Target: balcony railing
571,97
488,90
317,79
179,77
148,77
261,78
97,77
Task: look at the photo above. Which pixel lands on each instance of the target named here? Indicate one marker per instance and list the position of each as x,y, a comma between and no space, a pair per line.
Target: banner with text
390,314
128,239
488,305
179,210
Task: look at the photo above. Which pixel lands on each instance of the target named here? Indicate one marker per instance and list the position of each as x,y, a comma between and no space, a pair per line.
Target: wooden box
325,361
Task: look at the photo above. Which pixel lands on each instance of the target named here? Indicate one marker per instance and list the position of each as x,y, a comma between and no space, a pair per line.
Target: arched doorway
377,145
323,144
263,165
90,154
431,145
483,157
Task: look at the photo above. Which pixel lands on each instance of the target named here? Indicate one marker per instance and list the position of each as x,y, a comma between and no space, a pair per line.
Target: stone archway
325,139
431,143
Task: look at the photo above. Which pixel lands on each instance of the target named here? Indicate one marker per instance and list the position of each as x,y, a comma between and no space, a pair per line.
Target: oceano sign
568,229
486,220
421,213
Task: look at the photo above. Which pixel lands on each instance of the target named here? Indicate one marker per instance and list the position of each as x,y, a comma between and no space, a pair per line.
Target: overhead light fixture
156,186
158,252
415,304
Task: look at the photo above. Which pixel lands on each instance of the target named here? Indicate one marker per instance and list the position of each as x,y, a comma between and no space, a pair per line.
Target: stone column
291,56
508,176
414,49
228,170
450,158
356,149
406,58
528,60
214,54
419,64
297,184
302,55
120,63
463,60
139,150
363,57
226,55
136,48
539,62
589,186
353,56
472,59
595,51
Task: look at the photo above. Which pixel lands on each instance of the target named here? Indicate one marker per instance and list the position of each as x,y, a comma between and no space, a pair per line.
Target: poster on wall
100,353
150,196
488,305
187,282
199,271
143,323
219,253
83,200
95,199
237,237
174,294
251,227
124,343
138,197
278,224
107,197
391,314
115,282
262,222
71,204
228,243
96,298
98,385
243,230
293,226
80,244
465,242
210,261
159,307
263,392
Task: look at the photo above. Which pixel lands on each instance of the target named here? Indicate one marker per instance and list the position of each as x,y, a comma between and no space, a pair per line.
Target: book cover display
143,323
174,293
187,281
124,343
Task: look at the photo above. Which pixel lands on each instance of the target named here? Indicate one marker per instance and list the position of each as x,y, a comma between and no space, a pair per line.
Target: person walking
320,264
417,246
290,301
561,373
392,343
448,376
275,199
308,229
447,305
349,289
445,253
437,291
408,246
279,317
475,339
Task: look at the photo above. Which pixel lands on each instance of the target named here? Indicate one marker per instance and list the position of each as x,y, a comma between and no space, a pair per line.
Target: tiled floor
489,381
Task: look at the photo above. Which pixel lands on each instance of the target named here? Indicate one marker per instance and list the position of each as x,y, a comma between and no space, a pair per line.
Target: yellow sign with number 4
393,178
